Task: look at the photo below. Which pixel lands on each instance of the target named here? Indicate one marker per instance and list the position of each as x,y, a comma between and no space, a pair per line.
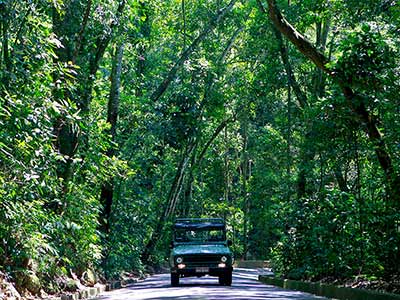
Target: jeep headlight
179,260
224,259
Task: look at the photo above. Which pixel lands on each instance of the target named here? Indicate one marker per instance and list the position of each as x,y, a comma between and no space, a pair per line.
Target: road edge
93,292
327,290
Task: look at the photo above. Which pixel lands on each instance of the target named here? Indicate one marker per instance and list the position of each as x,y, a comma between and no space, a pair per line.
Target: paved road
244,287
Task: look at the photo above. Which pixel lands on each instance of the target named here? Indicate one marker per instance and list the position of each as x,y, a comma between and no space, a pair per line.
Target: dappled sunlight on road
244,287
251,273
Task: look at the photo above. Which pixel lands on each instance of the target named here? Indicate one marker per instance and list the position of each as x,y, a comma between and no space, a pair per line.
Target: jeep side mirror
229,243
171,245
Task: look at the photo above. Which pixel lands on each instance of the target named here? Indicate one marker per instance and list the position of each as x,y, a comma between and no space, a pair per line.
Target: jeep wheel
221,279
174,279
228,278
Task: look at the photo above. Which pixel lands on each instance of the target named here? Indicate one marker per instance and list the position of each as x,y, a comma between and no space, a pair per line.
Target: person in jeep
199,248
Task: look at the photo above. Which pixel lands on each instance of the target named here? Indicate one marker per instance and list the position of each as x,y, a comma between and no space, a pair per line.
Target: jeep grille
202,260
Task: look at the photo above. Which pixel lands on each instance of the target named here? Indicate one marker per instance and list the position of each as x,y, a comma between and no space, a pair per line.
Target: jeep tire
221,279
225,278
228,278
174,279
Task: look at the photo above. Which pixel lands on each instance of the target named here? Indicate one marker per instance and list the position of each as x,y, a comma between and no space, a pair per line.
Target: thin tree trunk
169,205
319,77
71,34
307,152
78,44
177,187
95,58
185,208
340,179
226,169
217,131
145,30
107,190
245,174
289,142
196,160
5,56
300,95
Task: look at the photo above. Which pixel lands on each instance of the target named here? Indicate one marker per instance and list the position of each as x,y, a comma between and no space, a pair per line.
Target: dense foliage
118,116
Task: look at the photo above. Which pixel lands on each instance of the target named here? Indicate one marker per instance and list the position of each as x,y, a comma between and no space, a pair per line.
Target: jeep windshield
190,231
199,236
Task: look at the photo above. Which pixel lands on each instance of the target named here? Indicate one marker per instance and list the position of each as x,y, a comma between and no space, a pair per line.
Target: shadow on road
244,287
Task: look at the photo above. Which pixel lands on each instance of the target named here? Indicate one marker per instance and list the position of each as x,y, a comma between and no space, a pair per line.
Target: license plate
202,270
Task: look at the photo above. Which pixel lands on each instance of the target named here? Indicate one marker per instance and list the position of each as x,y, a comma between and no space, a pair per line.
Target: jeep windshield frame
199,231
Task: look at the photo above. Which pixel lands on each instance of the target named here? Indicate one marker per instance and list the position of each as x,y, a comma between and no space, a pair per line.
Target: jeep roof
196,223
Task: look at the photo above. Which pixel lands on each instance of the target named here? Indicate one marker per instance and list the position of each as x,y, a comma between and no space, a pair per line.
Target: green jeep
199,248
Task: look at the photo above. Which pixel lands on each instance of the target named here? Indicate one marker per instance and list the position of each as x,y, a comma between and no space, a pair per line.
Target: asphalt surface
244,287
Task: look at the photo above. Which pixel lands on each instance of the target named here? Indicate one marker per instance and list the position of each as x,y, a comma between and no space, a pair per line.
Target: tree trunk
5,55
319,76
196,160
71,34
341,180
145,30
300,95
107,190
244,187
307,150
169,205
301,43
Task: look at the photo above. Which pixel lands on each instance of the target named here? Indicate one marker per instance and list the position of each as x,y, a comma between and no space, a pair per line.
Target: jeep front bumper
200,271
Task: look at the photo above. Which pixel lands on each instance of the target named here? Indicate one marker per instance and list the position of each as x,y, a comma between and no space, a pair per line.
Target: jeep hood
201,249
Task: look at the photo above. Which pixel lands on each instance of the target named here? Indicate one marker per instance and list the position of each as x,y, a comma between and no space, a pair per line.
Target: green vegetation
116,117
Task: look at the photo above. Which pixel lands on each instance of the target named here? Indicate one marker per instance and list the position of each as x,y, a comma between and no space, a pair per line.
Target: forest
116,117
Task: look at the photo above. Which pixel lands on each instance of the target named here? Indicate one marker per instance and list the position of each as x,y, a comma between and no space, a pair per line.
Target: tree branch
157,94
212,138
302,44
